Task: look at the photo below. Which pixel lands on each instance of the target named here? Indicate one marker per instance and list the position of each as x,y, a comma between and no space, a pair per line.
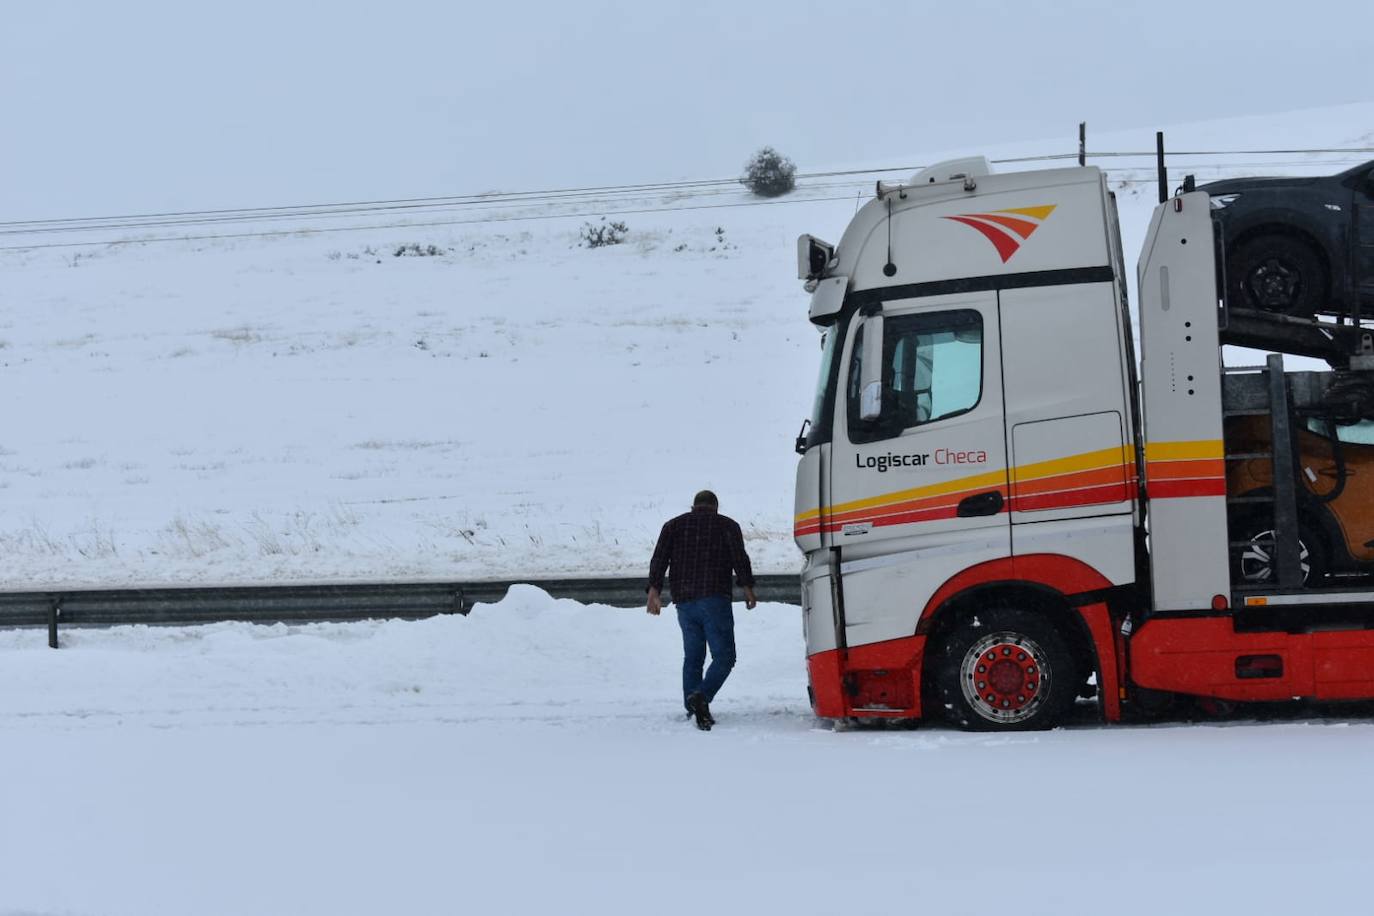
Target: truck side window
932,370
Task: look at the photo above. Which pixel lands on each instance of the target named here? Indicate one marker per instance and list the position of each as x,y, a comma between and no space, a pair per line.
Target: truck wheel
1276,273
1005,669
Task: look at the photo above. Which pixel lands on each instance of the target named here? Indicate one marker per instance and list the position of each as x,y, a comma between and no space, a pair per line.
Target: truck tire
1276,273
1005,669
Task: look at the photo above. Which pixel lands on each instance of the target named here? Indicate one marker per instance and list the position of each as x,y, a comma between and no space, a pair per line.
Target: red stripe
1182,489
903,518
1005,244
869,513
945,506
1072,480
919,515
1058,499
1068,499
1022,227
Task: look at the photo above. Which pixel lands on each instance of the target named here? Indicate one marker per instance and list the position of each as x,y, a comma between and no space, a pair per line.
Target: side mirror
813,257
871,369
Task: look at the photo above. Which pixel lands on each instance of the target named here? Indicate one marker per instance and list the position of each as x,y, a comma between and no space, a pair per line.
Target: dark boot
697,704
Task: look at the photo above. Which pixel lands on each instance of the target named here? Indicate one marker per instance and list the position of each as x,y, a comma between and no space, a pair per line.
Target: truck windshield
829,343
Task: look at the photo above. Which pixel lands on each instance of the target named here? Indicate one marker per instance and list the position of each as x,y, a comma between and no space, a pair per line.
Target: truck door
919,493
1068,417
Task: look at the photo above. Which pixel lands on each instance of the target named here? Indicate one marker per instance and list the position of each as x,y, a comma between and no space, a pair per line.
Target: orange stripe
1076,479
1022,227
1173,470
906,512
911,505
1052,493
945,505
1169,478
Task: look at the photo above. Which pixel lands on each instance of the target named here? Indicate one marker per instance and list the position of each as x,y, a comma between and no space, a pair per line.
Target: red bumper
881,680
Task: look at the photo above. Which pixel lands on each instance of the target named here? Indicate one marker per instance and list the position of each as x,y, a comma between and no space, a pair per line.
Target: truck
1005,505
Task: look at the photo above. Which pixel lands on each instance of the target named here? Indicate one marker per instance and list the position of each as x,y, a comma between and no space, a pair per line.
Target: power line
403,203
1238,152
568,196
585,211
459,222
343,214
480,197
494,197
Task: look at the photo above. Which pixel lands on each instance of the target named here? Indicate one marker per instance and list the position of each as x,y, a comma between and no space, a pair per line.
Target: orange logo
1006,229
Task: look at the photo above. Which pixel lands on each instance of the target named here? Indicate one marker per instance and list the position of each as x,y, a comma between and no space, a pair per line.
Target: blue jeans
706,622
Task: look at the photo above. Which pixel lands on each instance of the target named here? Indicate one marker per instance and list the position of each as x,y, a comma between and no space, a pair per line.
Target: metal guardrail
307,603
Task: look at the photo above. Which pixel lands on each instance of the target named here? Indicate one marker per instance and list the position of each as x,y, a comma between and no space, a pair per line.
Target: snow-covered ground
530,758
313,407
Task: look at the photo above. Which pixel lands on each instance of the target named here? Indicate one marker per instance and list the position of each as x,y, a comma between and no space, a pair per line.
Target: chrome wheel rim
1005,678
1257,560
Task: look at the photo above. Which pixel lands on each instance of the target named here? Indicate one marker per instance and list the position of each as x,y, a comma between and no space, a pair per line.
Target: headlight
1222,201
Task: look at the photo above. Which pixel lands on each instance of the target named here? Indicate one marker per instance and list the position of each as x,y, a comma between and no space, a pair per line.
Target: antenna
889,269
1159,166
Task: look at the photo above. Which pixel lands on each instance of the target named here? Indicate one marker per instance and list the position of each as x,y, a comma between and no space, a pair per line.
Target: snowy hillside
314,406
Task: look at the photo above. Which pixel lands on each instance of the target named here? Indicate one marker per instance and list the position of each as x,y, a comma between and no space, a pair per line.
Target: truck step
1239,500
1246,456
1247,412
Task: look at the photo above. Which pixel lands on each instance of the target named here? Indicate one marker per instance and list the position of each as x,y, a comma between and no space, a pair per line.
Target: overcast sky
130,106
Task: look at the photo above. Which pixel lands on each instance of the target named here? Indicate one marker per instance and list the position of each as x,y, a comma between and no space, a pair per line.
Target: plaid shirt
698,549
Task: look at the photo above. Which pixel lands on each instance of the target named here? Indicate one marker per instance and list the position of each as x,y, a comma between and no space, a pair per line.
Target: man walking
699,549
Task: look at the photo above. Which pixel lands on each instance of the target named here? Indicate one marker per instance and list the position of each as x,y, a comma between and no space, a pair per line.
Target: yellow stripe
1088,461
1036,212
990,478
1026,473
1184,451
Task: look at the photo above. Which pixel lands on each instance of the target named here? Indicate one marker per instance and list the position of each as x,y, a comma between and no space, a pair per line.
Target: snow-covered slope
313,407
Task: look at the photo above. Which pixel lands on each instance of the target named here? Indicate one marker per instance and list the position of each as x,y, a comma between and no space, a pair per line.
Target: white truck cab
969,499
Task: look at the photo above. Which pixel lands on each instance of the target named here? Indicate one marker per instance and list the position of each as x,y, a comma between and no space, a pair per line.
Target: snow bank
528,656
530,758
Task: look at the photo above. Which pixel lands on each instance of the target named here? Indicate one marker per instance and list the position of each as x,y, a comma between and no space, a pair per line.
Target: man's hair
705,498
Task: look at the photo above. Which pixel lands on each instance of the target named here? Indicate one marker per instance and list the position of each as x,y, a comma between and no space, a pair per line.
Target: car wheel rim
1005,678
1257,565
1274,285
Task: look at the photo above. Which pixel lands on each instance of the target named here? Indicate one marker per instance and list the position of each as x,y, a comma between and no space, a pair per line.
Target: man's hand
656,603
749,600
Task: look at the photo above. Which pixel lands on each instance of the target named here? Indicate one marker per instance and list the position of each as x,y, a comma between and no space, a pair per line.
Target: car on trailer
1335,503
1298,246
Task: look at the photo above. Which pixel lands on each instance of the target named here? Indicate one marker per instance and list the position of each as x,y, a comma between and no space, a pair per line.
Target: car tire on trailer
1255,564
1005,669
1276,273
